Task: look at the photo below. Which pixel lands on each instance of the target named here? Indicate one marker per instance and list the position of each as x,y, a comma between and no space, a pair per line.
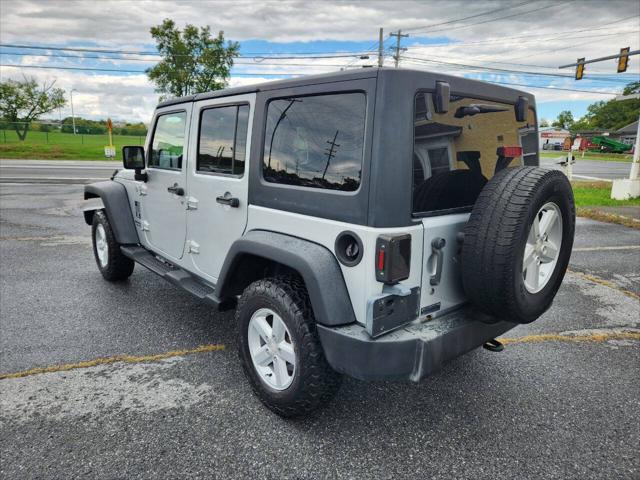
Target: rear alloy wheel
271,348
279,347
517,243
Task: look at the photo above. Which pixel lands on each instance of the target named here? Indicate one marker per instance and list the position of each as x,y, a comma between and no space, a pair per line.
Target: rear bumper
412,352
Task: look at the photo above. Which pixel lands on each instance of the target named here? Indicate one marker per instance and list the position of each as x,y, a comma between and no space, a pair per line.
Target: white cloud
125,25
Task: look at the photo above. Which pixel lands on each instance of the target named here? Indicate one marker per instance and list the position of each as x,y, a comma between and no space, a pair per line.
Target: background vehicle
376,223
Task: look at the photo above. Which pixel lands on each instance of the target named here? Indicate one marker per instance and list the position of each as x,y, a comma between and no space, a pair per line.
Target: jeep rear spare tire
517,243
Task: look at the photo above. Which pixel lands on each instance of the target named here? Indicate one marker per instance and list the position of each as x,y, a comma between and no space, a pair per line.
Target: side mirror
133,159
442,97
521,109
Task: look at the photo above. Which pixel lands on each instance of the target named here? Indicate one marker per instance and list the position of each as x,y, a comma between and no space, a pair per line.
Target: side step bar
173,274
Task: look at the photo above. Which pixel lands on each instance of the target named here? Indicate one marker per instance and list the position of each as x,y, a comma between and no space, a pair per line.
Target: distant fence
59,138
56,134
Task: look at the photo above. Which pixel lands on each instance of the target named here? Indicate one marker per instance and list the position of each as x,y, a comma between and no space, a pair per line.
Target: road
543,408
55,171
592,169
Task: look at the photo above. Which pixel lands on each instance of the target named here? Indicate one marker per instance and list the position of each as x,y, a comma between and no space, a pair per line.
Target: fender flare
316,265
116,205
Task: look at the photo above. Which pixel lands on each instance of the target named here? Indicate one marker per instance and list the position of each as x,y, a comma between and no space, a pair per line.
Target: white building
550,136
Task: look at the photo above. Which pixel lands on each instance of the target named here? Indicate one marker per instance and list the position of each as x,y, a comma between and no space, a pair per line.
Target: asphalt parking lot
562,400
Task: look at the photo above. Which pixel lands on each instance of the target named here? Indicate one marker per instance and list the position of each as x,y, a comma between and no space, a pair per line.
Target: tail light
393,258
510,152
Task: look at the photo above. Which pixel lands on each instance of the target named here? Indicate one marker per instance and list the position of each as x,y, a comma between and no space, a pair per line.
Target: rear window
315,141
456,153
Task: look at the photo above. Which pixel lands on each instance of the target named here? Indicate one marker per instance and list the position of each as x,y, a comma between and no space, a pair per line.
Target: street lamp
73,117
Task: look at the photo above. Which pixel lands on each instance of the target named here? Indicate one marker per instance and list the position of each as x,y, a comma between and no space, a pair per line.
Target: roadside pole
110,150
626,188
381,49
570,163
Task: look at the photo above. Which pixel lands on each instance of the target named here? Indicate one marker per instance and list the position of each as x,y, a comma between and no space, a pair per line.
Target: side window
223,139
168,141
315,141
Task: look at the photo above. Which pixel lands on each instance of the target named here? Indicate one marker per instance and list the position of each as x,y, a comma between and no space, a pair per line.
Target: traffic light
580,69
623,60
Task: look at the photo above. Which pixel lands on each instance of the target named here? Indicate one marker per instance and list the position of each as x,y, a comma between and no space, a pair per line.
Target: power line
98,57
258,74
499,18
501,70
156,54
502,9
91,69
565,35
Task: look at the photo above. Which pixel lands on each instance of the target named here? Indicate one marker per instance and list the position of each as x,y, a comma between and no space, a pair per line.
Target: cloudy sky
512,42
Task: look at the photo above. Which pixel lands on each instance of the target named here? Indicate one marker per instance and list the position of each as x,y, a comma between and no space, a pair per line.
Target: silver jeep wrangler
375,223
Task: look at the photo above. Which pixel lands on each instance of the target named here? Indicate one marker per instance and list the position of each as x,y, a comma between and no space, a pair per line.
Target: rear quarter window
315,141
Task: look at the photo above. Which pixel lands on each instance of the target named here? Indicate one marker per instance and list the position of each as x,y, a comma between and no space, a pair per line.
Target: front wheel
113,265
280,350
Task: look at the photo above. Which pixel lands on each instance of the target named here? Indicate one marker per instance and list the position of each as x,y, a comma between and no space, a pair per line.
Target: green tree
631,88
193,61
544,122
612,114
22,102
564,120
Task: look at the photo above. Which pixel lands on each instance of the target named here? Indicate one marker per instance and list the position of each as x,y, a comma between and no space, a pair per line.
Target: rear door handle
176,190
227,199
437,244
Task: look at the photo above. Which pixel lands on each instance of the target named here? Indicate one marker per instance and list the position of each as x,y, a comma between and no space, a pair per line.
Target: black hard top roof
354,74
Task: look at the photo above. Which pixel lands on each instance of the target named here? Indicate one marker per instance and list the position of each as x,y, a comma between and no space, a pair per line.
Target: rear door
455,154
218,180
163,214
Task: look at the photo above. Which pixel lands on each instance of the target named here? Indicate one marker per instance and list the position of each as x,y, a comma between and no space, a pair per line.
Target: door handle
176,190
227,199
437,244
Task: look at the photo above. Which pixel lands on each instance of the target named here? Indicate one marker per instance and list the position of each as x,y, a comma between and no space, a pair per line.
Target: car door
218,180
162,197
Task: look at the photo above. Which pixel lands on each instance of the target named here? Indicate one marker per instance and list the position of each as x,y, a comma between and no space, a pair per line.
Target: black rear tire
314,381
495,239
117,266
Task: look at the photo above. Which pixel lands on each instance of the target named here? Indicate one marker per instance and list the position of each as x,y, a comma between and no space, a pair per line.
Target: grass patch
598,194
598,157
62,146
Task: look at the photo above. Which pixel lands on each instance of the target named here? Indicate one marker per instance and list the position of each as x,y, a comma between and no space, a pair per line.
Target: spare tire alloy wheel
542,248
271,349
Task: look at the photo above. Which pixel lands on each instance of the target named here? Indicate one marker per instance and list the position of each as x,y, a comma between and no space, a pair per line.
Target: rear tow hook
494,346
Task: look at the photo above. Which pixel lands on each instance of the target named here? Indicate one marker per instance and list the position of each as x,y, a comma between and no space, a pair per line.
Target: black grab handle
227,199
176,190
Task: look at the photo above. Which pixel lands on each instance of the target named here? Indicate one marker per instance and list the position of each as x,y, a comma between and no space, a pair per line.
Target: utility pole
73,117
381,48
398,49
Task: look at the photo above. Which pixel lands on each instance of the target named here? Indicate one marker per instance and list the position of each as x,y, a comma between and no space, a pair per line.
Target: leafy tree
564,120
22,102
612,114
633,87
544,122
193,60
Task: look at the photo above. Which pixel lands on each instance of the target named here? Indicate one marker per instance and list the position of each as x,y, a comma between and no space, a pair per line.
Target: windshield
456,153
